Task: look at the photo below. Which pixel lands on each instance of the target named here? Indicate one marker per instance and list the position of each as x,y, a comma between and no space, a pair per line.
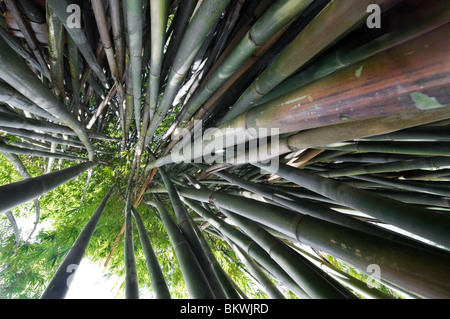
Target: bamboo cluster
358,169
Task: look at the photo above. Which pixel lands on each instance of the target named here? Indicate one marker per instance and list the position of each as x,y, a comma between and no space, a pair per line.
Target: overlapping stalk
201,23
395,259
156,276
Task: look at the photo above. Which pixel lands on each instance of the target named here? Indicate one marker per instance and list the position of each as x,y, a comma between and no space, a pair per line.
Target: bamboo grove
155,91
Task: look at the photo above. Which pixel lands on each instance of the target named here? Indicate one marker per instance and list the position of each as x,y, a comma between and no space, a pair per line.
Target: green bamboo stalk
16,45
79,37
15,194
59,284
414,134
55,47
269,287
74,65
436,188
305,275
133,17
10,96
15,227
399,262
316,37
31,152
115,13
406,148
19,76
156,276
416,198
316,210
223,278
360,287
201,24
249,246
158,20
23,172
183,222
131,280
274,18
196,282
313,138
416,220
434,162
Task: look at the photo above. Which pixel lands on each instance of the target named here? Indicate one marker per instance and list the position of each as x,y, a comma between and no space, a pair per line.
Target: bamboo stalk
196,282
313,138
265,282
308,103
273,20
399,262
12,97
224,280
131,277
305,275
115,13
189,233
416,220
23,172
435,162
158,20
202,22
28,34
409,148
316,210
317,35
156,276
421,20
19,76
59,284
31,152
79,37
15,194
133,12
250,247
55,47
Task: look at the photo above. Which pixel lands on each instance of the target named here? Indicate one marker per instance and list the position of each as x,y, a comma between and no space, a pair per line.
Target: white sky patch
90,283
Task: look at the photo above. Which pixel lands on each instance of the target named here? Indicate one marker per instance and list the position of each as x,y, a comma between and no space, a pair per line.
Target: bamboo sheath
60,283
